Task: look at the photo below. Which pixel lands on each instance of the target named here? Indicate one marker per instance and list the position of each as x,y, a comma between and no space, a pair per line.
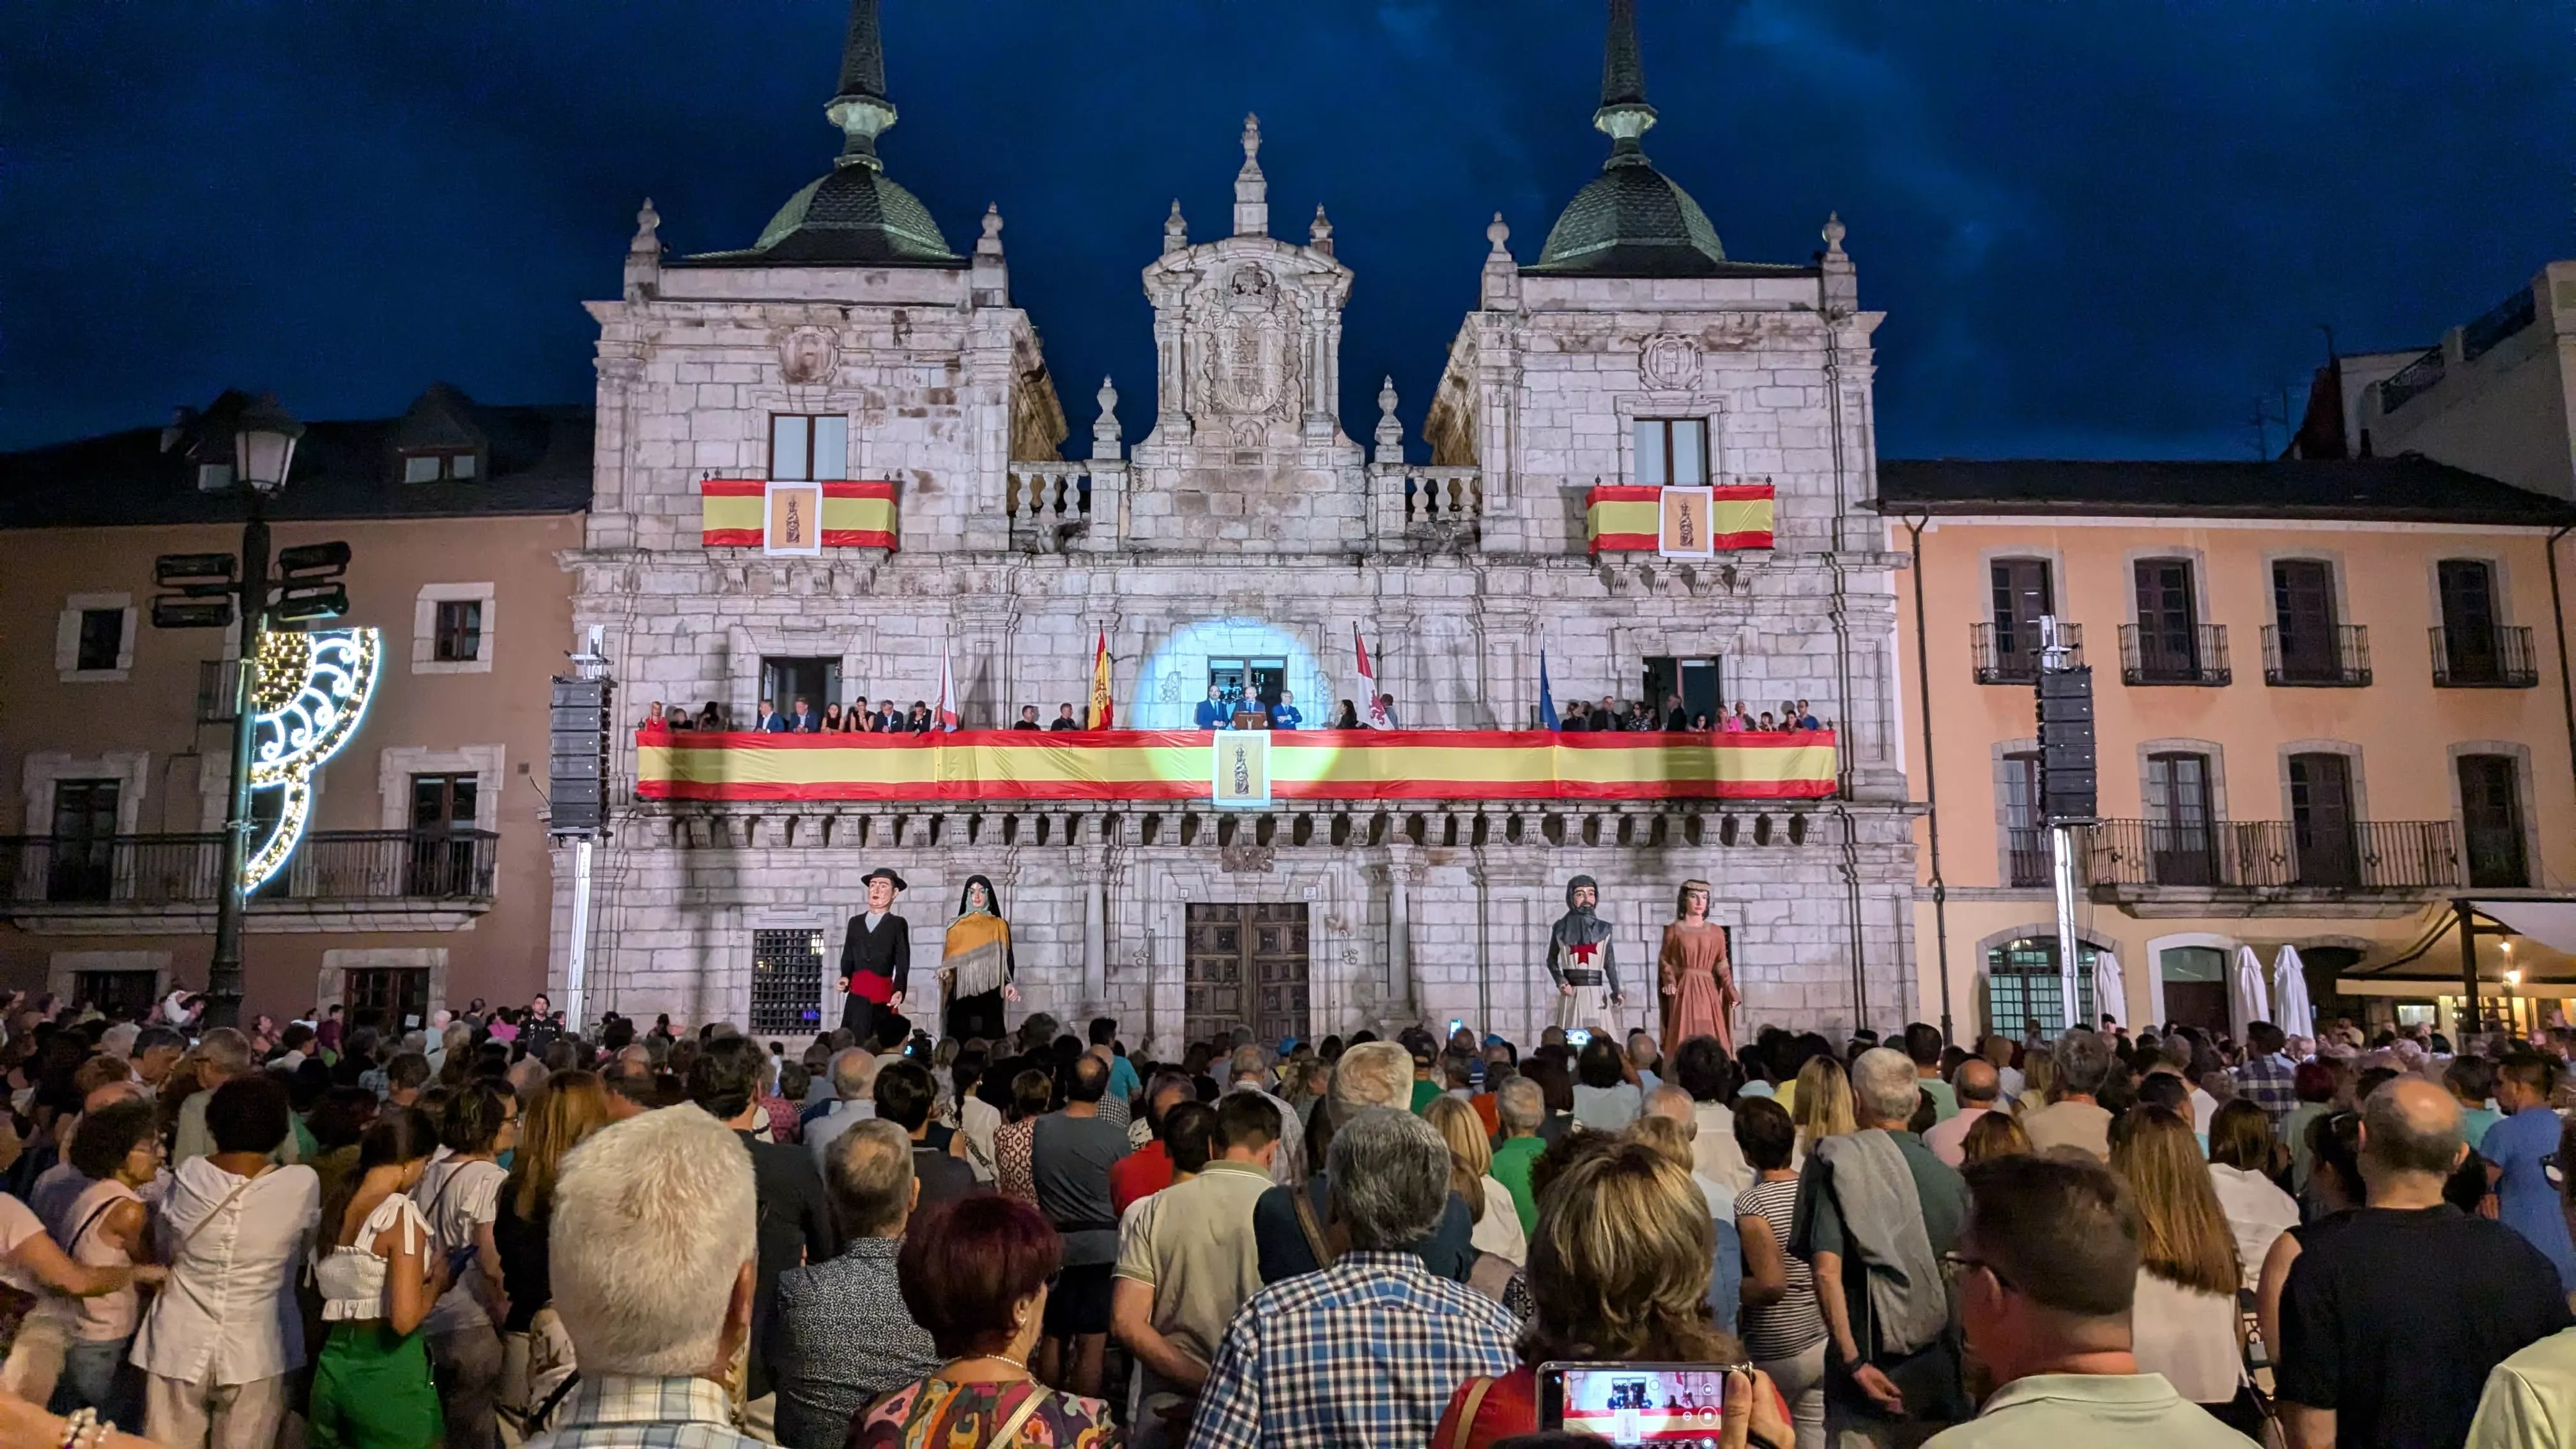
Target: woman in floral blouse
1031,1093
974,1273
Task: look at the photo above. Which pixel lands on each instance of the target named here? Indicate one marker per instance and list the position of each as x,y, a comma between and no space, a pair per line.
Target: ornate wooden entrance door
1247,967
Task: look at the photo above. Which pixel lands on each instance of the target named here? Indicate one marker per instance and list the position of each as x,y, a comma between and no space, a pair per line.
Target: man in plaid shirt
1367,1351
2268,1077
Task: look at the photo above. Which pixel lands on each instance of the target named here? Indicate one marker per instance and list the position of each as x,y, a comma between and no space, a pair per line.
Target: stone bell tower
1247,452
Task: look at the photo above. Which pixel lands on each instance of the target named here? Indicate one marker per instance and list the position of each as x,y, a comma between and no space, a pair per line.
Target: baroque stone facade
1247,525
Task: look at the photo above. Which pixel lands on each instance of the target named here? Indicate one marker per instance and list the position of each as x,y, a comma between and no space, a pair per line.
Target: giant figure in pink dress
1698,982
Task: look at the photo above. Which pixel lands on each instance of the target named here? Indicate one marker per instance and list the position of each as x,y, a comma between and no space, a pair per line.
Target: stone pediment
1252,330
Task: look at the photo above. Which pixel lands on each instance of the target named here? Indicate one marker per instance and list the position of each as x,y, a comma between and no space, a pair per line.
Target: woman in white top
2241,1153
1605,1099
224,1336
460,1194
118,1150
377,1277
2185,1324
1471,1158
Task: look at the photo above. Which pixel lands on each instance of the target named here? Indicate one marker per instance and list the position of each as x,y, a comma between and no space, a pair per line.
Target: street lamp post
264,437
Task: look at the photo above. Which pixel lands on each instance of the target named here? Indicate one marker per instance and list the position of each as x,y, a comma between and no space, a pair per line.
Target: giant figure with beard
1579,958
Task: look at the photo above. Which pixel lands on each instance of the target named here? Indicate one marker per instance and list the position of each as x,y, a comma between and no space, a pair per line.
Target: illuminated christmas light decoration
308,698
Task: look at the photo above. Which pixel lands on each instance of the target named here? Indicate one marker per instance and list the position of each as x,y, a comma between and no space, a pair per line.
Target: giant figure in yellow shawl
977,969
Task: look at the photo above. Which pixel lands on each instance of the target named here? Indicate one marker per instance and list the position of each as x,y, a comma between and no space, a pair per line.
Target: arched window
2022,985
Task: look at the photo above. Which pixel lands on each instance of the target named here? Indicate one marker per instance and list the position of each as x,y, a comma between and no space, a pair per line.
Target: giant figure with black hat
876,956
1579,958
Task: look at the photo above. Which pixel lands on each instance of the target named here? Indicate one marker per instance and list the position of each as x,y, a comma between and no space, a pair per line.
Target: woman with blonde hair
2038,1077
535,1353
1471,1159
1619,1270
2185,1324
1823,1105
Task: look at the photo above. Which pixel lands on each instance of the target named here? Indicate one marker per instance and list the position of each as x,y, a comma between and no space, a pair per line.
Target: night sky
2098,230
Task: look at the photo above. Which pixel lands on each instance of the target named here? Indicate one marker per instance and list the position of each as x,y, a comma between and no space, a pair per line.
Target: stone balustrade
1418,506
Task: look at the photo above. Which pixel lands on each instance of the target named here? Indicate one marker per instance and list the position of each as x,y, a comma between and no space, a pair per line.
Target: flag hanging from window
1103,712
1372,705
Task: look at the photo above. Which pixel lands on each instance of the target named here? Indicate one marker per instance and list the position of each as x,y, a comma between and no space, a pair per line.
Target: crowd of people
498,1230
1221,710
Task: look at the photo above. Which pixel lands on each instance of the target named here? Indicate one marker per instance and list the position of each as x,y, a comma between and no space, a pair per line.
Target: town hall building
831,465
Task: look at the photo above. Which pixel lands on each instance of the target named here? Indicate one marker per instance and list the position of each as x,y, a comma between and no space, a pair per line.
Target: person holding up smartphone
1619,1268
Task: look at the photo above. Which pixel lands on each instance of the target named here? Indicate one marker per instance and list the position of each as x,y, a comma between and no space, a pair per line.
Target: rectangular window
808,448
2491,810
2181,838
442,820
84,848
2321,820
2469,636
1672,452
2303,608
786,980
102,639
2024,989
459,639
122,995
2168,619
2022,594
437,467
2026,853
394,998
783,681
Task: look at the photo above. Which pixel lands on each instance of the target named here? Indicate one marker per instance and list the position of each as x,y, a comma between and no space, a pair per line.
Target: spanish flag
1103,712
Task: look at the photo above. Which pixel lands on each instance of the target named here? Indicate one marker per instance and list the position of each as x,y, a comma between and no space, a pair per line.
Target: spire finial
1104,431
1320,234
648,226
1390,430
1251,190
991,243
1833,233
860,107
1624,115
1176,232
1498,232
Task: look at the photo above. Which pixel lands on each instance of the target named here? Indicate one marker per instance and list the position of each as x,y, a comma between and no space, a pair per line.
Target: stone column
1095,918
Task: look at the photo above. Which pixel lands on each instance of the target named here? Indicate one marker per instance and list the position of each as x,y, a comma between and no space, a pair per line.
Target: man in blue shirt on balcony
1284,715
1214,712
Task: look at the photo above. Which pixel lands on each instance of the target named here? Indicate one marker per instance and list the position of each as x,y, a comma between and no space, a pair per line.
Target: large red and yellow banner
734,513
1629,518
1005,765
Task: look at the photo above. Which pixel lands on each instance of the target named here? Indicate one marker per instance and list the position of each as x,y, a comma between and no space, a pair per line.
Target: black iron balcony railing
2026,857
334,866
2159,657
2501,321
2368,855
2334,658
217,690
2412,380
2010,654
2495,657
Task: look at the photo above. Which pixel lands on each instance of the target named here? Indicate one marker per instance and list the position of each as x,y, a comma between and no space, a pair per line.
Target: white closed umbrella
2110,993
2248,1001
2292,1012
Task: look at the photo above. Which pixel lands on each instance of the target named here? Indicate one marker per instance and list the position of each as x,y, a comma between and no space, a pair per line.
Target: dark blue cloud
2097,230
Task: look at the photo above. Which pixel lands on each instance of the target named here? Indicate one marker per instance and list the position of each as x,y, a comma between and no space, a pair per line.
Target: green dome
856,216
1631,221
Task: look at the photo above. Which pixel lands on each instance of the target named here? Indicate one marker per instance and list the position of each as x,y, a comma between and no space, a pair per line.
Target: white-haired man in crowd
854,1084
1250,1070
652,1249
1372,1074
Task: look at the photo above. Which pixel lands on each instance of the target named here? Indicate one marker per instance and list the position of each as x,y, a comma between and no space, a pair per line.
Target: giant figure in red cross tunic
1582,963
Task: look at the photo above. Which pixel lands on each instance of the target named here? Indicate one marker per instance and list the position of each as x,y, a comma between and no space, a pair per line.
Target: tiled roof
2402,489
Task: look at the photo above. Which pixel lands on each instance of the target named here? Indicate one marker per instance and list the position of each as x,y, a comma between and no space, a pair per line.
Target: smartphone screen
1577,1037
1636,1403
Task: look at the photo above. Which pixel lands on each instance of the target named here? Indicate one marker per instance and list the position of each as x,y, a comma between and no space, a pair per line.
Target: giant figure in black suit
876,956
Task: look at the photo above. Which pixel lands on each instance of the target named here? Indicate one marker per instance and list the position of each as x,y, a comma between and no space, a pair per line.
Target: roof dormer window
439,466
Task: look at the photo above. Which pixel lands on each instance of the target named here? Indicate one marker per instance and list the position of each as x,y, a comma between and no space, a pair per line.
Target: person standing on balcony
1285,715
1064,720
876,956
1213,712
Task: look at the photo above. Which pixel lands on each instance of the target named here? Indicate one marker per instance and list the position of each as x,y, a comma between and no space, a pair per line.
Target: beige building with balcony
422,882
2330,699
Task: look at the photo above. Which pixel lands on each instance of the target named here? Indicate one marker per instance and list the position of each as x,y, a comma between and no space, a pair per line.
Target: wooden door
2168,619
2469,619
2179,836
2022,594
2303,610
83,867
2491,809
2321,820
442,825
1247,968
